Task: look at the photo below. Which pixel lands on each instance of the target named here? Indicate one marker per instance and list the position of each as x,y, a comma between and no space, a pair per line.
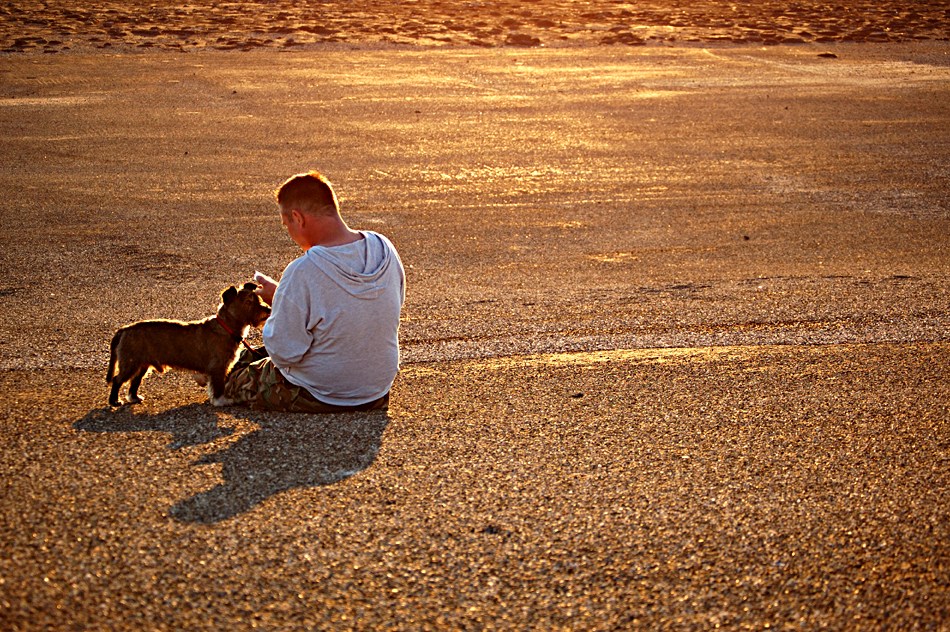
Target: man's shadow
286,451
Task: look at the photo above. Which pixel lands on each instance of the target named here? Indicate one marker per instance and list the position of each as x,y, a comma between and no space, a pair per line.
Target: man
332,336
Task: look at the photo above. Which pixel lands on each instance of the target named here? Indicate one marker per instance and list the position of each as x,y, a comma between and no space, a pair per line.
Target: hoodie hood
360,267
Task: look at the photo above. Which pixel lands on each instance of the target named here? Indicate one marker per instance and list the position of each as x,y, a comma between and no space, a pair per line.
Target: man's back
334,325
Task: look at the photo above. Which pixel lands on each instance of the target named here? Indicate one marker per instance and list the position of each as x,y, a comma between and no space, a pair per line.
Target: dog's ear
250,287
229,295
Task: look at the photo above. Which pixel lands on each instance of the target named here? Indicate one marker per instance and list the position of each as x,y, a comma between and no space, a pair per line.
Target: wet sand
674,352
26,25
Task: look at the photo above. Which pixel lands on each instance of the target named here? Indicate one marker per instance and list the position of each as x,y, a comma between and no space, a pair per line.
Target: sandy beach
674,353
26,25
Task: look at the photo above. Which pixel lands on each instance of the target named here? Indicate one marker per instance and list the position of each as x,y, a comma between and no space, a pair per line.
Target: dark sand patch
60,26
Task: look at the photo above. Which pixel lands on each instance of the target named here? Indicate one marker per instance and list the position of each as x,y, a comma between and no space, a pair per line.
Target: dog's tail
110,373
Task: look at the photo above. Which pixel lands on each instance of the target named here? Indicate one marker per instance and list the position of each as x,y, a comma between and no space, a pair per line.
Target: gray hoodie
334,327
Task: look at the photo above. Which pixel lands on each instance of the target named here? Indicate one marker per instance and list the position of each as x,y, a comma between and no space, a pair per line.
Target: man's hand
267,287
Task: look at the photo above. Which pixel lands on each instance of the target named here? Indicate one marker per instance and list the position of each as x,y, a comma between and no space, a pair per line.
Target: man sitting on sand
332,336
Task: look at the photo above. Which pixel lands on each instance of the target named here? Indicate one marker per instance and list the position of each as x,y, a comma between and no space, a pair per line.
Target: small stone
522,39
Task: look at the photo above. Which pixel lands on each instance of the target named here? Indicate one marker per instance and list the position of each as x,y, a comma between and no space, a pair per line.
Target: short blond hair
308,193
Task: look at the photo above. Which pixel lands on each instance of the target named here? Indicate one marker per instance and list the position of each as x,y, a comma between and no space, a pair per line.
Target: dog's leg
134,386
127,370
111,377
114,393
113,358
216,389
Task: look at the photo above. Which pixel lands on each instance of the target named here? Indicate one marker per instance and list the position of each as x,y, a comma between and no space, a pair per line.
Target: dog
207,347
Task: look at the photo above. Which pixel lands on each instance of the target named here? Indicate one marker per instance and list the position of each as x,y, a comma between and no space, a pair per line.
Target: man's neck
331,231
341,239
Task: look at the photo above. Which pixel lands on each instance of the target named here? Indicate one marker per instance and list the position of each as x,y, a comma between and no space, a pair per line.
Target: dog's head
244,305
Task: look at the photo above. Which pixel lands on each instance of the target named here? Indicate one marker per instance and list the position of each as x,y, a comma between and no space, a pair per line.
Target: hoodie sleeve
390,253
286,334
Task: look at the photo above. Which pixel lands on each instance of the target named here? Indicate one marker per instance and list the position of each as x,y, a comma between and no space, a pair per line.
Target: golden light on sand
675,340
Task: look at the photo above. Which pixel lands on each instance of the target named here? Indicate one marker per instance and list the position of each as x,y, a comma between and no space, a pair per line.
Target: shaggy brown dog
208,347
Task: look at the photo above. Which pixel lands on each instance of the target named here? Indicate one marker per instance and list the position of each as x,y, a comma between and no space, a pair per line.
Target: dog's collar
227,329
237,337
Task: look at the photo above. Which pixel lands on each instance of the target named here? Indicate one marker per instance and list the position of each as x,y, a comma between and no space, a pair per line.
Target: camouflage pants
256,382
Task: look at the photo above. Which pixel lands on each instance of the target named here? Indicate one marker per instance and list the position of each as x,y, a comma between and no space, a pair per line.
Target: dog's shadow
285,452
194,424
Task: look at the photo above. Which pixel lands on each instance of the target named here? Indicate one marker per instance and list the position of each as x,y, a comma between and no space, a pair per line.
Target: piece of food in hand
262,279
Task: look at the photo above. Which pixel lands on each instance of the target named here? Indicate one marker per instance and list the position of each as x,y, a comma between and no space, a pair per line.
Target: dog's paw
122,403
221,401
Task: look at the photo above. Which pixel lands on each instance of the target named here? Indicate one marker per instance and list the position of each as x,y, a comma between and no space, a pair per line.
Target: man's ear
229,295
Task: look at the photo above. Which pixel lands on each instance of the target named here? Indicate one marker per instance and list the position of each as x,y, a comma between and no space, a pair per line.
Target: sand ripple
62,25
